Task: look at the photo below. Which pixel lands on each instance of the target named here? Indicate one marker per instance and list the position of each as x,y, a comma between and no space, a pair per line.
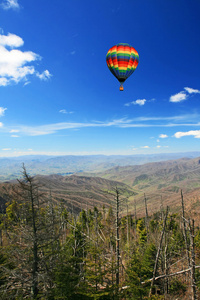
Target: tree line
49,252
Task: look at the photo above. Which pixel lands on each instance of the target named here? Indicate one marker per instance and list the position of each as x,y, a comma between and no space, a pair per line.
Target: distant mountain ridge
10,168
161,182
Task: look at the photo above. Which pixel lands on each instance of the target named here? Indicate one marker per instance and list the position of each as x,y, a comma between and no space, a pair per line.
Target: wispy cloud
145,147
163,136
14,63
2,111
10,4
194,133
142,122
64,111
1,124
44,75
191,90
183,95
140,102
171,118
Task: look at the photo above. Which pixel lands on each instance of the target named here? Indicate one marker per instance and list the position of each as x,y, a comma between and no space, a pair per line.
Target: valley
161,182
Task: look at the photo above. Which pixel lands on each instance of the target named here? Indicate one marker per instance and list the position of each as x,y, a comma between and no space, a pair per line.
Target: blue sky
58,97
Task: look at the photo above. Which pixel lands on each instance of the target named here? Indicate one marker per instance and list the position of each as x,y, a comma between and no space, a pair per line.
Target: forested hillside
51,252
160,180
76,192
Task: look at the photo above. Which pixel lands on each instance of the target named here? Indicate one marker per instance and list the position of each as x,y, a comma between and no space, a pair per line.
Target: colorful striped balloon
122,60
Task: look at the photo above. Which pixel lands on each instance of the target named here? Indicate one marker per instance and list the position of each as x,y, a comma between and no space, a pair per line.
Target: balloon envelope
122,60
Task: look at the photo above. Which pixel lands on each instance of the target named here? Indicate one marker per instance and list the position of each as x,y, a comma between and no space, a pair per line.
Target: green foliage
197,277
156,297
83,219
141,229
68,272
3,261
141,269
13,212
177,287
153,225
197,239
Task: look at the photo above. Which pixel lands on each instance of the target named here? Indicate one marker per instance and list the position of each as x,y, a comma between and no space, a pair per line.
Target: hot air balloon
122,60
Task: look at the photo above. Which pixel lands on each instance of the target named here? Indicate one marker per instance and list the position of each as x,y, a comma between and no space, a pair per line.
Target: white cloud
195,133
63,111
14,130
137,102
6,149
163,136
120,123
140,102
1,124
26,83
178,97
191,90
11,40
44,76
14,63
181,96
145,147
2,111
4,81
14,135
10,4
158,146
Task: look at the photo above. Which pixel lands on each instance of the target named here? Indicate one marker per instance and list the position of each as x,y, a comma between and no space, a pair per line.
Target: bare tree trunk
166,272
29,187
1,238
161,208
158,252
193,281
146,214
127,224
185,231
117,237
170,275
135,217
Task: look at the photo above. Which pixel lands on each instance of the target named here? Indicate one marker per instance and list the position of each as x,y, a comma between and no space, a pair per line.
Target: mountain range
159,182
11,167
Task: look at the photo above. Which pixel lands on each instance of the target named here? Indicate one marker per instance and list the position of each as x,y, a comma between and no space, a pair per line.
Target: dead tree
117,237
146,214
193,281
31,190
116,195
127,220
135,215
158,252
185,231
